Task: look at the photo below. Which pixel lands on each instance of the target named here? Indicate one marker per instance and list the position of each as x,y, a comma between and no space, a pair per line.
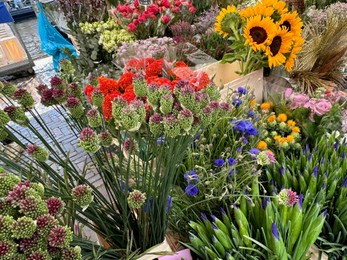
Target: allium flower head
225,106
7,249
117,105
58,95
39,255
155,124
7,183
55,206
23,227
7,89
26,245
171,126
17,115
263,159
56,81
89,140
105,138
73,253
38,153
83,195
94,118
17,194
97,98
47,97
72,102
136,199
287,197
32,207
166,103
60,237
140,87
45,223
129,143
4,118
40,88
5,227
185,118
87,134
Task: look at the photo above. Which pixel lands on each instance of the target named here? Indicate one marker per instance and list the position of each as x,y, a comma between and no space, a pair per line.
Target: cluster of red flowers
154,71
162,10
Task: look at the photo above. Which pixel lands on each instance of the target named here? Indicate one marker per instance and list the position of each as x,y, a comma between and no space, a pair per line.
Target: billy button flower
262,145
23,227
82,195
17,115
97,98
171,126
37,152
75,107
156,124
105,138
24,98
136,199
94,118
89,140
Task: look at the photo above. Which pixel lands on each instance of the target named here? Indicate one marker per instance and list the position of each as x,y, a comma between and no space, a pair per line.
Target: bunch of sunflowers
264,34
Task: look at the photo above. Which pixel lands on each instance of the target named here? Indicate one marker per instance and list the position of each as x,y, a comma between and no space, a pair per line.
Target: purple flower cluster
206,20
244,127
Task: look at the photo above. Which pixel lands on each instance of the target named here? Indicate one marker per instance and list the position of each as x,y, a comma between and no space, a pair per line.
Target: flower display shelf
226,78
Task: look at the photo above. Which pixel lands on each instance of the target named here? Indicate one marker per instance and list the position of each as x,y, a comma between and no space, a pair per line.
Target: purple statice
182,31
219,162
191,190
206,20
191,176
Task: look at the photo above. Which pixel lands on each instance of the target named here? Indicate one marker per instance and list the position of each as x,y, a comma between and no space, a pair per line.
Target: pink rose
288,92
165,19
311,103
322,107
298,100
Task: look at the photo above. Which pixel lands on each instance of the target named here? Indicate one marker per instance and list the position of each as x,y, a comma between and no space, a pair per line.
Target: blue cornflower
244,127
254,151
232,171
191,190
242,90
219,162
244,140
237,102
231,161
191,176
239,149
250,113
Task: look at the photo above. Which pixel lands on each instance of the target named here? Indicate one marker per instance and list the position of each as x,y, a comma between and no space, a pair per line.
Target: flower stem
245,69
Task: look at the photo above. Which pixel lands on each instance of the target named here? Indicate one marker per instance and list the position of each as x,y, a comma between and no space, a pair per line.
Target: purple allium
171,126
5,226
60,237
105,138
58,94
55,206
38,255
153,86
47,97
136,199
207,110
287,197
56,81
23,227
191,176
32,149
73,87
225,106
32,207
97,98
26,245
72,102
93,113
214,105
275,231
17,194
117,105
37,152
87,134
45,223
219,162
187,90
18,94
191,190
7,249
71,253
83,195
10,110
231,161
182,83
129,143
242,90
237,102
137,103
40,88
156,118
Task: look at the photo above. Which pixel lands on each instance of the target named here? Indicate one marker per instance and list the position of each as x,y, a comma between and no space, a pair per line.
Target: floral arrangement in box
266,34
155,18
30,225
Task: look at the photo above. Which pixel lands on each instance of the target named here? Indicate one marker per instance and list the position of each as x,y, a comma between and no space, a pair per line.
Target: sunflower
258,9
279,8
225,19
280,44
292,22
297,46
258,32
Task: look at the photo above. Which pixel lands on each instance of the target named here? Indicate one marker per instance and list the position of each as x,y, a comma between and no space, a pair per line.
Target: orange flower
296,129
282,117
253,102
271,118
277,137
282,140
266,106
262,145
290,138
291,123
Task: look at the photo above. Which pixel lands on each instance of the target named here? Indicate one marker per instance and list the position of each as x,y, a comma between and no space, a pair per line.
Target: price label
145,2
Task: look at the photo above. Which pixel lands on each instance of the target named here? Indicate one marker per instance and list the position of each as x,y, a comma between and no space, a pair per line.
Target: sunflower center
275,45
287,25
226,23
258,34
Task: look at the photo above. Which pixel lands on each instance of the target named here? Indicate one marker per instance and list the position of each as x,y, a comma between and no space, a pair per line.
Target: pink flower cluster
160,11
318,106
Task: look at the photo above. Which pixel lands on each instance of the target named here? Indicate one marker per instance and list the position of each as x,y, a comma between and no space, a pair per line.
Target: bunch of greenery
320,175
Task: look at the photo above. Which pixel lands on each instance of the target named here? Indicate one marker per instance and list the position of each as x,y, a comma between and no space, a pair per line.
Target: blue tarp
5,16
52,42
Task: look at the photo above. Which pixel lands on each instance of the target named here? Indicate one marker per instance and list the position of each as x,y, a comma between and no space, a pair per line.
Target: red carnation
155,68
107,106
124,81
165,19
107,85
88,92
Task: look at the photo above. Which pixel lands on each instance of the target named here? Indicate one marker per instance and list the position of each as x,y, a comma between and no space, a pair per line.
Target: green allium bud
7,183
185,119
5,227
3,134
130,119
37,152
166,103
23,227
72,253
213,92
89,140
136,199
17,115
140,87
171,126
97,98
6,207
155,124
82,195
273,124
24,98
153,94
38,187
105,139
60,237
187,99
117,105
94,118
7,89
4,118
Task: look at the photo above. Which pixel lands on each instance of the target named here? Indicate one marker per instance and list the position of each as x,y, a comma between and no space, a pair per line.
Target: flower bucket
226,78
183,254
313,253
156,251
